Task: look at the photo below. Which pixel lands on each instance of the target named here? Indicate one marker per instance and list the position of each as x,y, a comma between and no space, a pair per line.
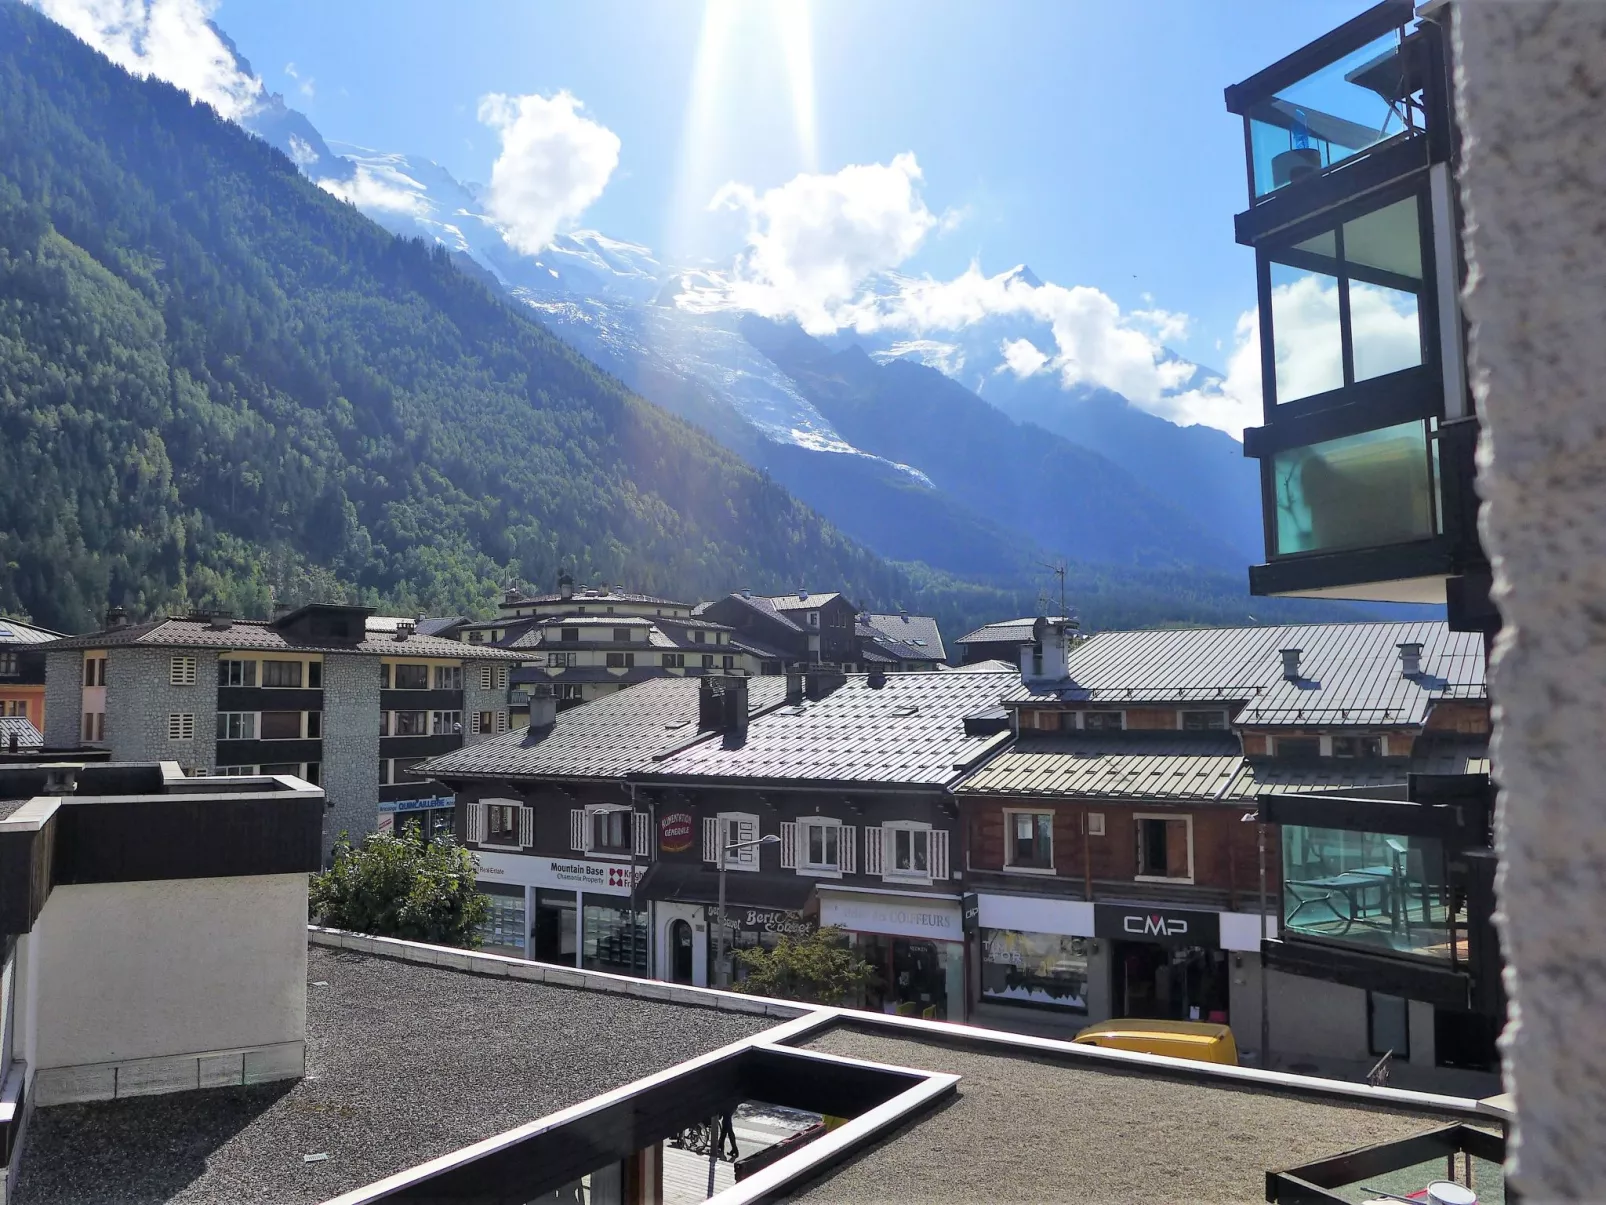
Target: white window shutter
485,678
474,722
872,850
711,839
526,827
476,822
746,830
846,839
577,829
501,721
501,677
939,853
788,846
643,833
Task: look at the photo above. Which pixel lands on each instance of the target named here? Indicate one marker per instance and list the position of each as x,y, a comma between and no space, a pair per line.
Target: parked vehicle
1202,1041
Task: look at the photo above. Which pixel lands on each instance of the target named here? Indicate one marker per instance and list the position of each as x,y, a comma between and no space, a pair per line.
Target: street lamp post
721,970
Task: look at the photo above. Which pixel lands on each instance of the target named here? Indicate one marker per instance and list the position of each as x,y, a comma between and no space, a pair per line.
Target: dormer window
814,619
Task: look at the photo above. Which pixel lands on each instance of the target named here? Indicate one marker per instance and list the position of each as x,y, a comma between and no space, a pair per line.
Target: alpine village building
1036,848
22,672
328,693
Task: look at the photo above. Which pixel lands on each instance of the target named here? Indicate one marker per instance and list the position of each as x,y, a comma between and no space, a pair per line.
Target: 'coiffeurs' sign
576,874
905,917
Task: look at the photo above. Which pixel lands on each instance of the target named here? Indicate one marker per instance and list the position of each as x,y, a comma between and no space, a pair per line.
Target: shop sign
577,874
766,920
970,911
415,805
1169,926
675,832
905,916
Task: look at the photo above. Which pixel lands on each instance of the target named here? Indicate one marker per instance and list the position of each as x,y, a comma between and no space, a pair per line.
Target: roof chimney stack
565,587
543,706
1290,664
404,629
876,678
822,679
220,621
117,617
794,686
1410,659
802,594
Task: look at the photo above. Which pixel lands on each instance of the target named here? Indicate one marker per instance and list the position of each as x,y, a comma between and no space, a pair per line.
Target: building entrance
1169,983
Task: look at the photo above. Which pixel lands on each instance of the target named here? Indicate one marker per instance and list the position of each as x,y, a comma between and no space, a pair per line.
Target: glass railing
1367,97
1360,491
1377,890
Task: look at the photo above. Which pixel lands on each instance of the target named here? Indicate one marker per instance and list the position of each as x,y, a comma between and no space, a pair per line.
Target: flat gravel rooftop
1026,1130
404,1063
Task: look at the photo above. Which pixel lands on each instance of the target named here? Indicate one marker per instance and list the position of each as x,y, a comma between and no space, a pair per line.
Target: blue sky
1081,138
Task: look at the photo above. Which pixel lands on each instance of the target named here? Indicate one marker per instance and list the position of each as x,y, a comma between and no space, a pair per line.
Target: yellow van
1202,1041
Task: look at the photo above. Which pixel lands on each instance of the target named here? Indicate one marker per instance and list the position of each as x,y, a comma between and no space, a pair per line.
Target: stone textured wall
476,698
64,694
350,746
1532,91
139,700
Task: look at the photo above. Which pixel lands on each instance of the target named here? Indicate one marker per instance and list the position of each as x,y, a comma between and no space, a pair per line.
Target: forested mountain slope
214,376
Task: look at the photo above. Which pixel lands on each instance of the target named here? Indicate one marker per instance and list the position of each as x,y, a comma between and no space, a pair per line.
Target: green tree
402,887
820,968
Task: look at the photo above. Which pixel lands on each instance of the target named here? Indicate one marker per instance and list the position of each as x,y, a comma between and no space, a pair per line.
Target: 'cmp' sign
1170,926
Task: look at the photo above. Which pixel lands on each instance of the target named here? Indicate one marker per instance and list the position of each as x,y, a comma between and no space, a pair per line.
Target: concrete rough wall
350,746
140,698
477,699
1532,92
64,695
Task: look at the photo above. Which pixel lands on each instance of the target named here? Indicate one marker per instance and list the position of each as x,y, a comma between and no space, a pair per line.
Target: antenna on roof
1057,568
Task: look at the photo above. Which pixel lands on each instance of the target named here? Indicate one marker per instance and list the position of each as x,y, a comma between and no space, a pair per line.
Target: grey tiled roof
27,735
1207,768
1005,631
602,739
909,732
1349,672
257,634
1112,767
583,594
15,631
806,602
908,637
764,606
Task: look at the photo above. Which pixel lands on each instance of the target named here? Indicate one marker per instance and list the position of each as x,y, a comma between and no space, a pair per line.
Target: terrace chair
1314,896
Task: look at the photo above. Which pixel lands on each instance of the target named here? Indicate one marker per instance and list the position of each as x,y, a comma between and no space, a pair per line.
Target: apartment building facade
1123,861
314,693
22,670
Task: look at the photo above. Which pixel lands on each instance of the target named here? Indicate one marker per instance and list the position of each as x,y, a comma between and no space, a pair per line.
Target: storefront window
503,930
555,936
1034,968
612,942
1372,889
913,978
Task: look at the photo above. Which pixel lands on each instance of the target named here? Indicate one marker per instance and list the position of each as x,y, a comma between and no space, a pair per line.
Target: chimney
404,629
543,706
735,700
220,621
710,714
565,587
794,686
876,678
117,617
747,594
1290,664
802,594
822,679
13,743
1410,659
61,780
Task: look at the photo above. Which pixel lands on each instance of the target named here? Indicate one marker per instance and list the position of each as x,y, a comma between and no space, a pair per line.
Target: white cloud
307,87
1022,357
172,40
373,188
301,151
813,241
554,163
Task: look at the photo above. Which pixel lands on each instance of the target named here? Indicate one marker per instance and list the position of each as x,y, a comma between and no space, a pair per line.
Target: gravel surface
1023,1130
404,1063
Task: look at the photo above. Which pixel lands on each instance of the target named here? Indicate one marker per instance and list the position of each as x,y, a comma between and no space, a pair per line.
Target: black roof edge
1332,45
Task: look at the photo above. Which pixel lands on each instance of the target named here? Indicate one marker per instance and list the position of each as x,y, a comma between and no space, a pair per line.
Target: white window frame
181,726
1184,712
1081,719
223,667
446,673
233,771
181,671
1009,841
440,722
1093,824
592,811
738,826
844,855
889,853
1137,822
94,727
480,824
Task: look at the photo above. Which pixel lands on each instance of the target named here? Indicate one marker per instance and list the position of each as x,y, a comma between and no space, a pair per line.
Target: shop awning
696,884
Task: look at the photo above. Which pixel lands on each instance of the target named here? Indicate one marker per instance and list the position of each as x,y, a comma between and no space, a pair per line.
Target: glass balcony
1375,488
1367,97
1377,890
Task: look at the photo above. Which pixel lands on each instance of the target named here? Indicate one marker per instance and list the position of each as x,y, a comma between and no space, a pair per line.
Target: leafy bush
402,887
820,968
